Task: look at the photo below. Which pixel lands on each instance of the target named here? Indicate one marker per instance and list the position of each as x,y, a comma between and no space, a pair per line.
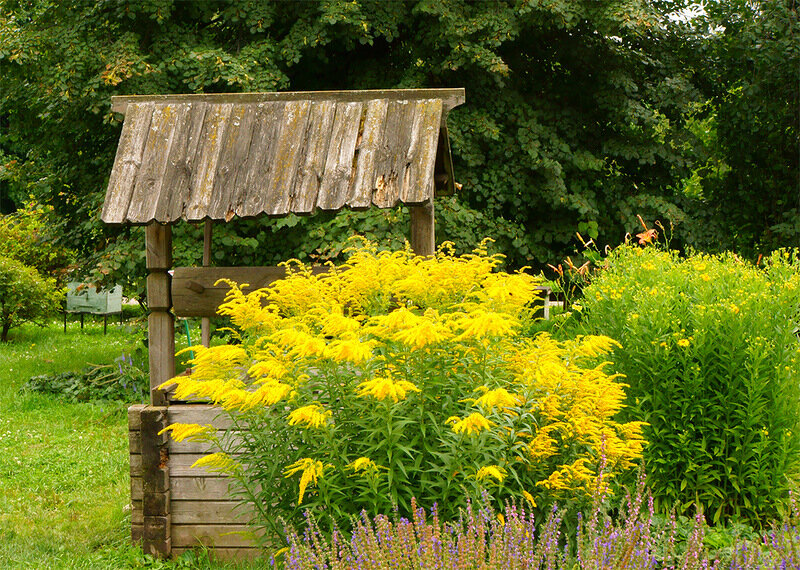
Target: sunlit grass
64,473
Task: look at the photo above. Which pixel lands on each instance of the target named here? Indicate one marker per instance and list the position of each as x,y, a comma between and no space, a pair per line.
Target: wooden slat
391,155
219,536
181,164
335,185
232,554
206,160
450,97
200,512
196,294
233,155
180,465
200,488
127,162
371,137
311,171
149,181
289,150
199,447
417,181
260,161
199,414
190,488
135,416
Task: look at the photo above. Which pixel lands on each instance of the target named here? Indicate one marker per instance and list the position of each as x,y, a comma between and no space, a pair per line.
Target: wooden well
214,157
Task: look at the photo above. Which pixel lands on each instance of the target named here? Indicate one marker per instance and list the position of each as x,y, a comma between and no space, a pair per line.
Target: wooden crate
199,508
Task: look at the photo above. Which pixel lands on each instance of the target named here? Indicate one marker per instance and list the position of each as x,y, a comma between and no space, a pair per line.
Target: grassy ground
64,484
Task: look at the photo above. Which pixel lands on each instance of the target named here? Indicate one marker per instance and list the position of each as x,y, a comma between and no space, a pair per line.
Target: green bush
25,296
24,236
710,352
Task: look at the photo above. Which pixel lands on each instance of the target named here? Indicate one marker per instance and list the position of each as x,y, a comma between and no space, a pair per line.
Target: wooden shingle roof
196,157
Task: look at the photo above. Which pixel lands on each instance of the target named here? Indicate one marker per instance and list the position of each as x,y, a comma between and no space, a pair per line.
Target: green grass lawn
64,483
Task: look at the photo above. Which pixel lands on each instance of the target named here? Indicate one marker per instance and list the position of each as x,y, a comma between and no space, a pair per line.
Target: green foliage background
579,114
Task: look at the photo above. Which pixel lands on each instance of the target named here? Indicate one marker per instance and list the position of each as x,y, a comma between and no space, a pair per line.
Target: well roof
196,157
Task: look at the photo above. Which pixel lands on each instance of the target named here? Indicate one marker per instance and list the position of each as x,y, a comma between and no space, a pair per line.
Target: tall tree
569,122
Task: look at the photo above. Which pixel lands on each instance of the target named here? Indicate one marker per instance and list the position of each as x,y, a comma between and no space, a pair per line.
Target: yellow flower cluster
319,348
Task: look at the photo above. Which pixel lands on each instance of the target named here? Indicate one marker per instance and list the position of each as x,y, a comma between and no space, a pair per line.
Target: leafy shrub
398,376
124,380
24,236
25,296
711,356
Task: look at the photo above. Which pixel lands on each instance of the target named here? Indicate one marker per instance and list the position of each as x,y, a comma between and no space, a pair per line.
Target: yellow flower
480,323
491,471
192,432
498,398
474,423
385,387
312,470
363,464
529,498
351,350
684,342
312,415
221,462
268,394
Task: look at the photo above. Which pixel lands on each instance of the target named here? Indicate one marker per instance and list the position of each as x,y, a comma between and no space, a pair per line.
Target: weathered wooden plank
180,465
417,181
367,153
232,554
391,155
289,150
444,180
135,417
200,488
450,97
233,154
219,536
181,163
127,162
200,512
199,414
196,294
190,488
312,169
158,247
423,234
335,184
259,165
206,160
134,442
149,181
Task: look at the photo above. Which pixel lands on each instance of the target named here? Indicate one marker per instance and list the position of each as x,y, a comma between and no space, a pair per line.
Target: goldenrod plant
397,376
710,351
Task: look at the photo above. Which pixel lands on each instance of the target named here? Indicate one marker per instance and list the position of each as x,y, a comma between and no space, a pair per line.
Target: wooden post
156,509
205,323
160,322
423,237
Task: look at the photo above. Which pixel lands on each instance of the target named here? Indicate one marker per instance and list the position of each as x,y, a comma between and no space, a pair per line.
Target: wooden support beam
160,322
196,294
157,527
423,236
205,323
